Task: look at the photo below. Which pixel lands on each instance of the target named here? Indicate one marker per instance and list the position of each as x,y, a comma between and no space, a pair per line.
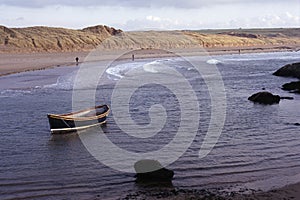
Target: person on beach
77,60
132,57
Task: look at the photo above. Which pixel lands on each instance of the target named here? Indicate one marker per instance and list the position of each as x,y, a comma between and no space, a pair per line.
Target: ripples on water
259,144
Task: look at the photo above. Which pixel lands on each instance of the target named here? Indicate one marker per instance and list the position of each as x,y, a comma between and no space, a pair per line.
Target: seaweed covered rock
290,70
265,98
152,171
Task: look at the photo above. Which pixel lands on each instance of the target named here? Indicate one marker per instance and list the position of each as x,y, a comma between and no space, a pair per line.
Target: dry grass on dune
46,39
238,38
150,39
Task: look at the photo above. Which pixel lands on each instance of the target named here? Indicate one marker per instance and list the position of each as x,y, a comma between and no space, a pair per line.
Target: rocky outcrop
152,171
293,87
266,98
290,70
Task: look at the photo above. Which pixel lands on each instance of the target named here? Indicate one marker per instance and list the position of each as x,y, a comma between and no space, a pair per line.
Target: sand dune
46,39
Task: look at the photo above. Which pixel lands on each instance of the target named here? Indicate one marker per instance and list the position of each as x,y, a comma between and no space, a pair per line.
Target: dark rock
265,98
290,70
288,98
152,171
292,87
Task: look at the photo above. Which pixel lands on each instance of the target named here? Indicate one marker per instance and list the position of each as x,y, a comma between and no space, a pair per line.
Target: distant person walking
77,60
132,57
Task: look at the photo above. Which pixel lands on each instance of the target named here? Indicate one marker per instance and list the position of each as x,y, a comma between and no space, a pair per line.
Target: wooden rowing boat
78,120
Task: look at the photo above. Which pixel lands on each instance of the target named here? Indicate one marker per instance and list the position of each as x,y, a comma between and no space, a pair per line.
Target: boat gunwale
68,116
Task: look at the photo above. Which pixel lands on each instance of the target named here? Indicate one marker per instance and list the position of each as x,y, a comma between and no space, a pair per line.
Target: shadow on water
66,137
154,185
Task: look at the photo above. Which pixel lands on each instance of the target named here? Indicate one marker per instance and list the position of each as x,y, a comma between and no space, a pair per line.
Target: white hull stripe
75,128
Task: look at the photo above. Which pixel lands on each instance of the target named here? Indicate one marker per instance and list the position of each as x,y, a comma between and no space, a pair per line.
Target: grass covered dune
46,39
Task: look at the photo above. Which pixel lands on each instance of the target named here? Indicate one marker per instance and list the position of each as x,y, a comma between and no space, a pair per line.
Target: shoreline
12,63
287,192
23,62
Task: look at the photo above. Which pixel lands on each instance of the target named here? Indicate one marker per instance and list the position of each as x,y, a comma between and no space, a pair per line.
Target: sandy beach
11,63
20,62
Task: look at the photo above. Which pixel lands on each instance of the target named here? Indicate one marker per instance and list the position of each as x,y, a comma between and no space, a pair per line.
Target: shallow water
259,145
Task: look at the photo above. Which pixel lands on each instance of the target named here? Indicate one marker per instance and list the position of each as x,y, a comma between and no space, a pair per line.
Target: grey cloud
131,3
20,19
80,3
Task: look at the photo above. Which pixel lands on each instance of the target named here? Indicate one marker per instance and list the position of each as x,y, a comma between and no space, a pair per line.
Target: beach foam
213,61
119,71
14,93
64,82
262,56
152,67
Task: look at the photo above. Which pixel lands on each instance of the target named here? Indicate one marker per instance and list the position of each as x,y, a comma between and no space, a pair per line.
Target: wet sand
20,62
285,193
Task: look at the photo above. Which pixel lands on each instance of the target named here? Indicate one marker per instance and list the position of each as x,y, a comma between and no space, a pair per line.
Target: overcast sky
151,14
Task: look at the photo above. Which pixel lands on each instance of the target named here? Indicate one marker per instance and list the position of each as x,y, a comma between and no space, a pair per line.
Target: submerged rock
265,98
152,171
290,70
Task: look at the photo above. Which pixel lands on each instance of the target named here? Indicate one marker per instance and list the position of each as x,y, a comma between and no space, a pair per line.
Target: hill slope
46,39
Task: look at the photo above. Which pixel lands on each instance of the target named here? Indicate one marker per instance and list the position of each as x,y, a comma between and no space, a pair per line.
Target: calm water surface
258,148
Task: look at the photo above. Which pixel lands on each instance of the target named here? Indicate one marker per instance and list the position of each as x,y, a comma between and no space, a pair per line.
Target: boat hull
69,122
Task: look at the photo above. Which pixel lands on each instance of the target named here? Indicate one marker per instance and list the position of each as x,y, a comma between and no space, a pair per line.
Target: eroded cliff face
48,39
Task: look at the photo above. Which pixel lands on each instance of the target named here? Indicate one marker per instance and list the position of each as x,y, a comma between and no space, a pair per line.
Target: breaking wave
119,71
